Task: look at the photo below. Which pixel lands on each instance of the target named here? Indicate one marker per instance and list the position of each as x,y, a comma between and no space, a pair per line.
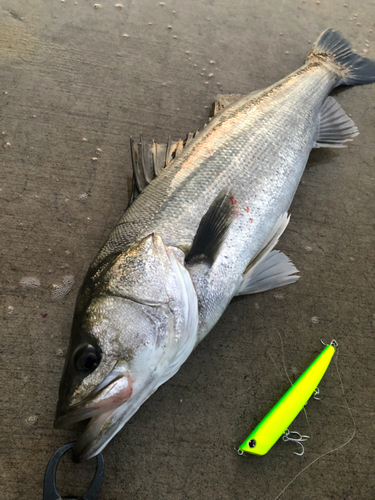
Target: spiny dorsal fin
335,126
212,228
148,160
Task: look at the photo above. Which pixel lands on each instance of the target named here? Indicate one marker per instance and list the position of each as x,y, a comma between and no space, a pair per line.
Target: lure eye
252,443
87,358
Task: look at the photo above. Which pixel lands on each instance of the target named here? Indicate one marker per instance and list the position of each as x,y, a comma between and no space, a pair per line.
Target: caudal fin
352,68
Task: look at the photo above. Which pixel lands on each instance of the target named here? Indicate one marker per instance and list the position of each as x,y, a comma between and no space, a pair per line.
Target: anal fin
335,126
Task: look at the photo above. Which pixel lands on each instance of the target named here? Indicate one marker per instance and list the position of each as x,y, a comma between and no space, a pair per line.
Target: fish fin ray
273,271
351,68
212,228
335,127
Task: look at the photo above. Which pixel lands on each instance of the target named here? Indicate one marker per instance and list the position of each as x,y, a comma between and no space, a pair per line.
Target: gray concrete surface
68,73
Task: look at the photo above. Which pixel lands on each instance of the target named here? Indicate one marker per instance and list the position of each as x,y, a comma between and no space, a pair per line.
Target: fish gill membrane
159,284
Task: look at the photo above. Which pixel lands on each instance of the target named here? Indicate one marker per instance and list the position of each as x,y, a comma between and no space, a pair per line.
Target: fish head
135,323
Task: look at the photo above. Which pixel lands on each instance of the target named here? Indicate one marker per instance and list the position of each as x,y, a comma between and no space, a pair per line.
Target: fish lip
92,406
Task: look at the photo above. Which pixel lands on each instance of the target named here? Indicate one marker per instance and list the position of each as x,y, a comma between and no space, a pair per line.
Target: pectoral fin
212,229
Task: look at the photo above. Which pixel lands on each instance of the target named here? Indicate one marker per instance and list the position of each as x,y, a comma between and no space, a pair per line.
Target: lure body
270,429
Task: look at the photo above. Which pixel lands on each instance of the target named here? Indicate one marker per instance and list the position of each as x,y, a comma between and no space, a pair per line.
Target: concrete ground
75,78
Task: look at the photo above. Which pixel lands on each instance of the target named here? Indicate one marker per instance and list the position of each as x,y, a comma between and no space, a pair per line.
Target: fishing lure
277,421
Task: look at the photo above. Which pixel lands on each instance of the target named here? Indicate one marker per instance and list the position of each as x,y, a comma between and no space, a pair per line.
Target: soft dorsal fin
335,127
224,100
212,228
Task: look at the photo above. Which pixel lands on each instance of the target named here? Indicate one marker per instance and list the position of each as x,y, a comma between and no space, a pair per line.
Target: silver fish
200,233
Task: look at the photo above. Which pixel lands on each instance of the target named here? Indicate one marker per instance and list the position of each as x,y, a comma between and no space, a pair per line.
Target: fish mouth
106,421
115,389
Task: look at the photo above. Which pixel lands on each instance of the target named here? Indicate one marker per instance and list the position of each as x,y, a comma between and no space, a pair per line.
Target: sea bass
199,233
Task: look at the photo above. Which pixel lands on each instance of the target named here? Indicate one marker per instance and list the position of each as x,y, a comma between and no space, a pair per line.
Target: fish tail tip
352,68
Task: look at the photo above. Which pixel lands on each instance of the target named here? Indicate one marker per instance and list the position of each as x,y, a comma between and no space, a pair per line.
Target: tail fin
352,68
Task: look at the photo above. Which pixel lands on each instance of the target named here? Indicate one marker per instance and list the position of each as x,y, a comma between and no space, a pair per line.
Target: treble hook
297,440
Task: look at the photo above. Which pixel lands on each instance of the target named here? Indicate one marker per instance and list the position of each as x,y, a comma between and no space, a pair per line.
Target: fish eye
252,443
87,358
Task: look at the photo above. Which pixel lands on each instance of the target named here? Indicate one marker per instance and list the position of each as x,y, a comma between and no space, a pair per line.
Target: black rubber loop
49,489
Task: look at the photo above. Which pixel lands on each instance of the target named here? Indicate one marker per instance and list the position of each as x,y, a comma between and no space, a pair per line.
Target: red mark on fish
233,200
247,209
251,220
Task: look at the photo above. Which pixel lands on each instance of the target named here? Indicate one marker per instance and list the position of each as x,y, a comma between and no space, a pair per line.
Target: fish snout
108,396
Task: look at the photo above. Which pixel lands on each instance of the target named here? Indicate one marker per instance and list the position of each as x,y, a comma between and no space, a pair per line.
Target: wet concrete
71,82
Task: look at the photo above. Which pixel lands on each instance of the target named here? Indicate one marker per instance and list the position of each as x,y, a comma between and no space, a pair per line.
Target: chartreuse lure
276,423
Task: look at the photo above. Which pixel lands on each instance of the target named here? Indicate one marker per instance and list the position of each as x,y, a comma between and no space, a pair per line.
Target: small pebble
119,6
315,319
32,420
169,27
9,310
278,296
358,24
210,75
287,52
97,6
94,158
212,62
308,249
125,35
29,282
161,4
84,139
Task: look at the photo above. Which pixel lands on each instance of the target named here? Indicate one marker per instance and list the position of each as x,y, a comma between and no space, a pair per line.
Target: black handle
49,489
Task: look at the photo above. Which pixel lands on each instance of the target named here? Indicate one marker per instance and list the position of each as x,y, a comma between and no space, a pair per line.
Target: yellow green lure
276,423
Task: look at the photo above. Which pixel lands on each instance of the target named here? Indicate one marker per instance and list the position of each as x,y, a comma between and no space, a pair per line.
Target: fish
204,217
277,421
